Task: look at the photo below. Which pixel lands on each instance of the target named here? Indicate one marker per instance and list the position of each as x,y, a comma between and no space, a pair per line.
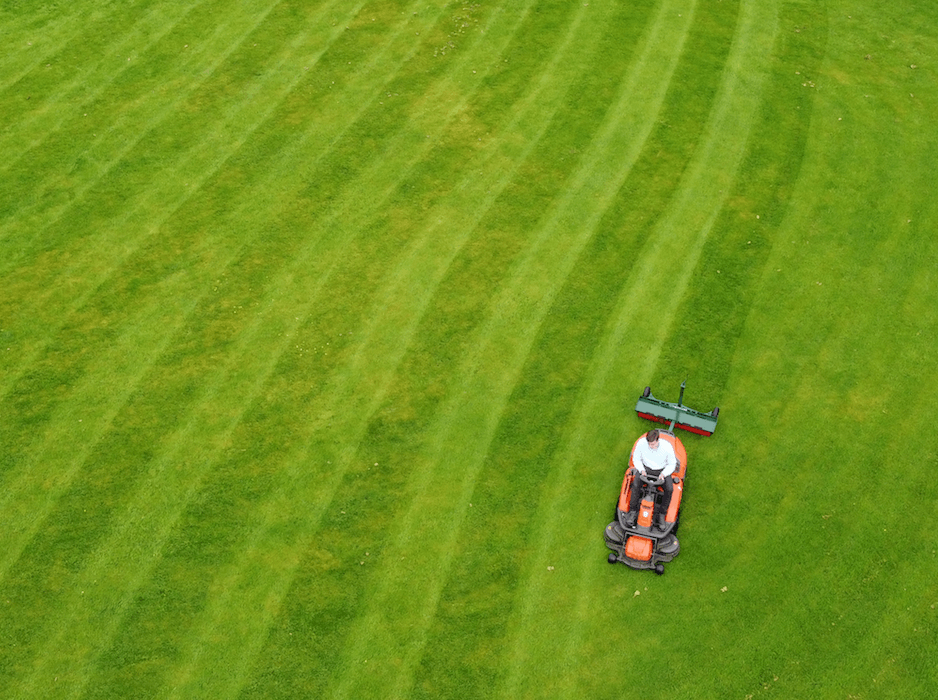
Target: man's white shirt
662,458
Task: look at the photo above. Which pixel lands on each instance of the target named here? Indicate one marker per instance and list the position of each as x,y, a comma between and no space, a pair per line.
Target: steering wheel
654,481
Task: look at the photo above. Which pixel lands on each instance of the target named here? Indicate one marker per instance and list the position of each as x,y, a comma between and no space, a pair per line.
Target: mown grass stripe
457,189
45,204
39,39
466,653
343,386
330,392
355,411
474,405
27,478
658,282
327,139
69,98
158,204
338,394
554,82
144,525
821,353
117,539
73,299
369,354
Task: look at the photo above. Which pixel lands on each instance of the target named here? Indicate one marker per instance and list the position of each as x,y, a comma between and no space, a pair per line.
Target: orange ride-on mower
646,540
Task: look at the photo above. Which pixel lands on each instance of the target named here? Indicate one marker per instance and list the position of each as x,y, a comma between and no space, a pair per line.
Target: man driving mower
652,458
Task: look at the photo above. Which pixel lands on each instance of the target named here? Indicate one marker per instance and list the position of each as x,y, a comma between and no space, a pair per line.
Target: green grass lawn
322,325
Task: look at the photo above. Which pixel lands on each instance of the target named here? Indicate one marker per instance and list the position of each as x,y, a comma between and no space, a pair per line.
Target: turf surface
322,325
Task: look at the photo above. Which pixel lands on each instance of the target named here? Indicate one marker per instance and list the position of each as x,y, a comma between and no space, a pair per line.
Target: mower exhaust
676,414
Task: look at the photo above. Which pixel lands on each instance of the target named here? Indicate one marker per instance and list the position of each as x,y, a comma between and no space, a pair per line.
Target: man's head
652,438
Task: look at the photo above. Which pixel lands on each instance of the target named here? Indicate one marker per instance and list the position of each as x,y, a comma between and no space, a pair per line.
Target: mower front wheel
659,569
612,558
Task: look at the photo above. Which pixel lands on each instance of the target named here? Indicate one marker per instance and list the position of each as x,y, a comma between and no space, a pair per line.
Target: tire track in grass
27,481
658,282
98,569
805,365
388,638
33,129
765,184
859,362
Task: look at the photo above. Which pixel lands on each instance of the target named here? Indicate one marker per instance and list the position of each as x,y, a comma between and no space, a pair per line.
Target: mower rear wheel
659,569
612,558
647,392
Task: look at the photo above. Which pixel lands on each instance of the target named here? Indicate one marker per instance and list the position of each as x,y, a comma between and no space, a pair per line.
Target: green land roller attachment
676,414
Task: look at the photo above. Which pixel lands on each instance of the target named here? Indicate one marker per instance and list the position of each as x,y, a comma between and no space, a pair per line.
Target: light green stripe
139,539
297,497
148,337
30,46
629,354
422,550
73,98
103,254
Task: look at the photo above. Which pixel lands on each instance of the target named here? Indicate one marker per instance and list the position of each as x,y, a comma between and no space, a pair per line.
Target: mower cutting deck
642,540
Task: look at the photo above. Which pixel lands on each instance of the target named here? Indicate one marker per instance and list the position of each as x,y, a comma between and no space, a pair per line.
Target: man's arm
638,456
670,461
